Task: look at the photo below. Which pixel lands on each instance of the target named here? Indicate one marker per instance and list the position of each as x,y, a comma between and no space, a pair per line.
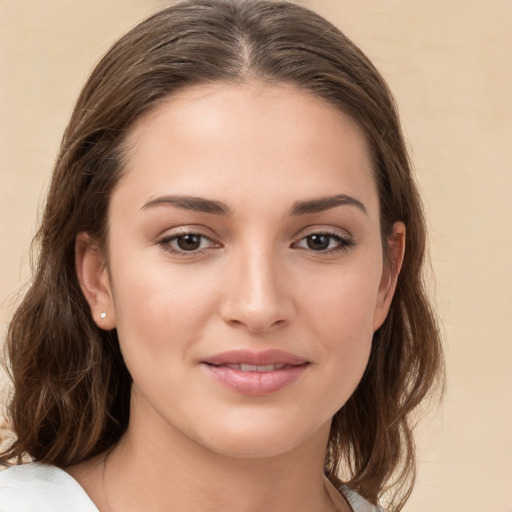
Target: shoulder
38,487
357,502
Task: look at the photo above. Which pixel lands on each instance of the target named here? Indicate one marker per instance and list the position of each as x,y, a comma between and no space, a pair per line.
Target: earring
103,315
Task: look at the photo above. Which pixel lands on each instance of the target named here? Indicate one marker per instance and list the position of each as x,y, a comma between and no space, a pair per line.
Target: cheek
160,310
345,299
341,318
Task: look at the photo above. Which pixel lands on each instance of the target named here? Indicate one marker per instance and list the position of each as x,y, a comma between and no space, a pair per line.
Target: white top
38,487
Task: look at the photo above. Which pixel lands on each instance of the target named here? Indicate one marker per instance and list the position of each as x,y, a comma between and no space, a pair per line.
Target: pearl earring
103,315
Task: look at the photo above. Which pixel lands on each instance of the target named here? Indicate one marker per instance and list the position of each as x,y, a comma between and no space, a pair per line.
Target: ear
390,271
92,273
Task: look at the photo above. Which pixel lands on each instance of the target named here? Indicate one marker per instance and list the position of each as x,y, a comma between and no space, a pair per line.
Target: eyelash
165,243
344,243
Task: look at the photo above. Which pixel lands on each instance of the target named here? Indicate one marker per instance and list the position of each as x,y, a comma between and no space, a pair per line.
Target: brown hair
71,387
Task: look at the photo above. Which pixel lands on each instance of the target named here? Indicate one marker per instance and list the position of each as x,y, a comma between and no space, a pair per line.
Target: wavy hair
71,386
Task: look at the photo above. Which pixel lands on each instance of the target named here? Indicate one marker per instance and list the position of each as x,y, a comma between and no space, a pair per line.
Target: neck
158,468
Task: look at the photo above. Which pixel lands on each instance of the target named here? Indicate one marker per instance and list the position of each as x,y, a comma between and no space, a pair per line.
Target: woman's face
245,270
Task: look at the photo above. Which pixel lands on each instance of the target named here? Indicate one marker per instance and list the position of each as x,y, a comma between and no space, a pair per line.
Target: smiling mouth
251,361
256,373
255,368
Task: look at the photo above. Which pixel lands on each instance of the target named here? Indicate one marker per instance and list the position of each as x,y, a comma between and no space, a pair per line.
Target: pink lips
255,373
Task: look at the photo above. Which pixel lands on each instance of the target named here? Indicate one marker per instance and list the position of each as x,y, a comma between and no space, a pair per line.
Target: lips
261,358
255,368
255,373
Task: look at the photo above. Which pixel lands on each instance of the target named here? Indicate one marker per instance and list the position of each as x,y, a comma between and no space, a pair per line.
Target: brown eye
318,242
325,243
189,242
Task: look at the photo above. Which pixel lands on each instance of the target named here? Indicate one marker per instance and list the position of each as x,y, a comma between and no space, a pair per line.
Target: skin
192,443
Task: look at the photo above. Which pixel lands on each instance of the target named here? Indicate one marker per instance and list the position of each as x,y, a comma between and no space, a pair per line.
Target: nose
256,295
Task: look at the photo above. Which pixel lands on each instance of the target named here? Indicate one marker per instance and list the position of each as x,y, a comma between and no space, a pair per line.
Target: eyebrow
197,204
200,204
325,203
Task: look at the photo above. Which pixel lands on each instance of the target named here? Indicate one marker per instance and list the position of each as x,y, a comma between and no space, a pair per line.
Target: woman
228,311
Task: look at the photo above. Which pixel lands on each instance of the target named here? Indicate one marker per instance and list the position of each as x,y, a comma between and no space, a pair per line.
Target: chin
243,449
264,440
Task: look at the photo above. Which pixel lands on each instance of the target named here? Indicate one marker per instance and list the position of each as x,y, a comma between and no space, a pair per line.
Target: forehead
234,141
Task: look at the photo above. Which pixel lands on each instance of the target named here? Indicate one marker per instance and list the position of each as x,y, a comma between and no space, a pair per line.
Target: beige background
449,65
